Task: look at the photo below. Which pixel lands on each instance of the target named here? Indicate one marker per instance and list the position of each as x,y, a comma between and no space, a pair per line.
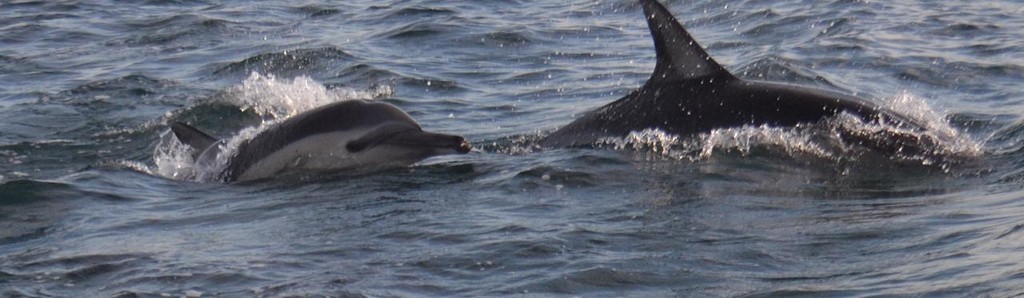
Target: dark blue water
92,203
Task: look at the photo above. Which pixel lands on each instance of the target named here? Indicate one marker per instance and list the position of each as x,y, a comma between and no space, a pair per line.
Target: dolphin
689,93
354,135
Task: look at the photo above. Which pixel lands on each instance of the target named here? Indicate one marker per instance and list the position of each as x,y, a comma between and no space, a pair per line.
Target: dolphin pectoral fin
193,137
679,55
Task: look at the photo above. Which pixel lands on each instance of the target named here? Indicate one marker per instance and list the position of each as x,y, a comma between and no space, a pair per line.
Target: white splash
279,99
935,122
823,139
271,98
173,159
792,140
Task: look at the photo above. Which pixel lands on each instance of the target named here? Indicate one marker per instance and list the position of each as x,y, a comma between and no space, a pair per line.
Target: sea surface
97,199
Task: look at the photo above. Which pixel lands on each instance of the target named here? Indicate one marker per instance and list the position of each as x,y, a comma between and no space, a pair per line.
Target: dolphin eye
354,147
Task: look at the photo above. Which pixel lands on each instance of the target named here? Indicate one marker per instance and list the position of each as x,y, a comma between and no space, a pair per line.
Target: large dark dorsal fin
679,56
191,136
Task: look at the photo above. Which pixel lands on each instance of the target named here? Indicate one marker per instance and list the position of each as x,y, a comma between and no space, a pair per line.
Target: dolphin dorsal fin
191,136
679,56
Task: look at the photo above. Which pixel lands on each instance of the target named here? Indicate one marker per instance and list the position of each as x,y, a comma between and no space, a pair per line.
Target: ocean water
95,200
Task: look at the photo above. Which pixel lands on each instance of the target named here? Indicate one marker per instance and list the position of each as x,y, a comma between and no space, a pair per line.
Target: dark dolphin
347,135
689,93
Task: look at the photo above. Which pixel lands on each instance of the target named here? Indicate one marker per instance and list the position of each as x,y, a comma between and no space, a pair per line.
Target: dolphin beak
431,140
464,147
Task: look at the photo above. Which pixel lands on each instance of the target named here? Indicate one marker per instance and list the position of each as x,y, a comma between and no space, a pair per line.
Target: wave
31,209
130,85
98,108
287,63
316,11
185,28
417,31
505,38
423,12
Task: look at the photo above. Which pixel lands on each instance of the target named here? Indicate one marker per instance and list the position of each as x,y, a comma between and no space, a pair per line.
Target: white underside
327,152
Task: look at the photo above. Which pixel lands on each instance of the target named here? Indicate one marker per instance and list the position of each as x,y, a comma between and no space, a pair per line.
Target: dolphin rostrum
355,135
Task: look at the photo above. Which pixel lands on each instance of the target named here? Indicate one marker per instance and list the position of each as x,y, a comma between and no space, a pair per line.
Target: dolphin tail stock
680,57
193,137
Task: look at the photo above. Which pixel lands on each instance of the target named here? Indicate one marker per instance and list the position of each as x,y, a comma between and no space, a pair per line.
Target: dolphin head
403,143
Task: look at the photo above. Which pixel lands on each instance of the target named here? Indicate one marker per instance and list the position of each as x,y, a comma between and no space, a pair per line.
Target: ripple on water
317,11
32,209
287,63
414,32
406,13
182,28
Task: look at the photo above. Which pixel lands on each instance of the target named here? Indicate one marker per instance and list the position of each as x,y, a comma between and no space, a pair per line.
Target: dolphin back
689,93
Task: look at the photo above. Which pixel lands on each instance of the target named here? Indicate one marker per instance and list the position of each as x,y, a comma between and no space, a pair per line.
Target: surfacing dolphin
354,135
689,93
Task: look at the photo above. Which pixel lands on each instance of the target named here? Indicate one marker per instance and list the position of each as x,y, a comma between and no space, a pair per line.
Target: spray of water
827,139
273,98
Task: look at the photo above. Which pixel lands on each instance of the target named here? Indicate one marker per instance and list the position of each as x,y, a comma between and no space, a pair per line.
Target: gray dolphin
348,135
689,93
